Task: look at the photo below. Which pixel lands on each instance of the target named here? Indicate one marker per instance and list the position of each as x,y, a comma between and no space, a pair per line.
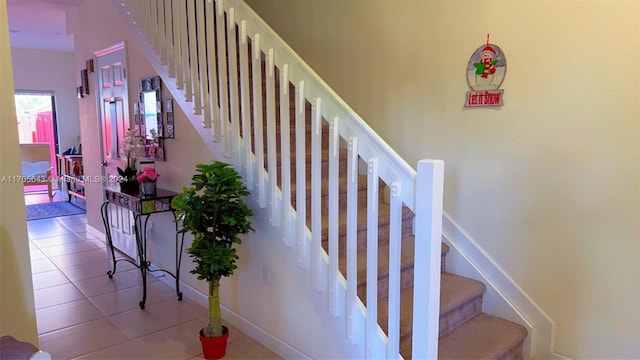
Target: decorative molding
504,297
110,49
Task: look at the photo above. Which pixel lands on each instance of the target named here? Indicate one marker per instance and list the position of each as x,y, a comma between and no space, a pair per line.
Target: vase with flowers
132,149
147,179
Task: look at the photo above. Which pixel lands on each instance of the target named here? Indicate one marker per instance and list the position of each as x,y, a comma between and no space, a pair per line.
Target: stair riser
514,353
406,281
459,315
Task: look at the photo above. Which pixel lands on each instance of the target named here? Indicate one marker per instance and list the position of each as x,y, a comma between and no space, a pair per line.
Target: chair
36,165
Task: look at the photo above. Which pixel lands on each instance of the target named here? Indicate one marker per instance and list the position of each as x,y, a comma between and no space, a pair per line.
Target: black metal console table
142,206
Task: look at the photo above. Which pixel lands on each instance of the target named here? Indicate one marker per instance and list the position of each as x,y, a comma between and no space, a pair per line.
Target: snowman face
486,55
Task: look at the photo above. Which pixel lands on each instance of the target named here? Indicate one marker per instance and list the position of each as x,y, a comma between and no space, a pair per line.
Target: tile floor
82,314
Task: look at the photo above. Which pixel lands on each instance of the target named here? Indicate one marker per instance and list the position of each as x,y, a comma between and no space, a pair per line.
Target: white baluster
285,154
211,70
334,161
395,246
202,64
184,52
245,105
272,164
316,192
223,93
234,107
193,56
301,179
258,126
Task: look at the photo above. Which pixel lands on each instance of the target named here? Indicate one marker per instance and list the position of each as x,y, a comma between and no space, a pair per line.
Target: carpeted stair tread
483,337
456,290
455,293
460,300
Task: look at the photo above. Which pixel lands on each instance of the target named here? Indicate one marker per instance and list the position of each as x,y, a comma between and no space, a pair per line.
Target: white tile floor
82,314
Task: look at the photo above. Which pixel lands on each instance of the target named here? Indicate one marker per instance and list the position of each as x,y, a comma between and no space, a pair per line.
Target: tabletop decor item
147,179
132,149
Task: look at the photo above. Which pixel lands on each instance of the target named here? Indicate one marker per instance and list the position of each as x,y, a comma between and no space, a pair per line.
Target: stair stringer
503,298
352,345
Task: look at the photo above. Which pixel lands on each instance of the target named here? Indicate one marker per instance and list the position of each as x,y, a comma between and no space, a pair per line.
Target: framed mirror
149,124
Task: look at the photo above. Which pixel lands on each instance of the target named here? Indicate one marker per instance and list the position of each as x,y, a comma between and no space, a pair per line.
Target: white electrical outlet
266,274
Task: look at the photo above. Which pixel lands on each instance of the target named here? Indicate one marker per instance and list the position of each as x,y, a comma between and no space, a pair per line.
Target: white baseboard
504,297
556,356
250,329
95,232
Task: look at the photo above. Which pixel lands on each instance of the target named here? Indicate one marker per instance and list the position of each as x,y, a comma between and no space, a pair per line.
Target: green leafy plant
213,211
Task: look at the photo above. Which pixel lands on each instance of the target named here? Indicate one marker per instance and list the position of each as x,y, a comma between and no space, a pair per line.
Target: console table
142,206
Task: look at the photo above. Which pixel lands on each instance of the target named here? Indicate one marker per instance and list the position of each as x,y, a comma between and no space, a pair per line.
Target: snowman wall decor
485,73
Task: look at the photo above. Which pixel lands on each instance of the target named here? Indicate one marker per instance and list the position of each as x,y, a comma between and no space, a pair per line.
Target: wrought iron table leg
141,240
178,260
104,210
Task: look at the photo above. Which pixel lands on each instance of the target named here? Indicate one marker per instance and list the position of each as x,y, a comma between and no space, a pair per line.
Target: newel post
428,237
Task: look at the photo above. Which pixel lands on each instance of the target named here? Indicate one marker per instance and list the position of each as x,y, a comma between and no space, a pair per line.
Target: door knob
104,163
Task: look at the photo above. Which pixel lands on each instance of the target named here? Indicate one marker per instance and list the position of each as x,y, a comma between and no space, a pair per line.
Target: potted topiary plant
213,211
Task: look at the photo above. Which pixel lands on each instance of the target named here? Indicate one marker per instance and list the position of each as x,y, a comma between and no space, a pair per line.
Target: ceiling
40,24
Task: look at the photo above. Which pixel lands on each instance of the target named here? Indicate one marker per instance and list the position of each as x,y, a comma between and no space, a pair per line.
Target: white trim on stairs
504,298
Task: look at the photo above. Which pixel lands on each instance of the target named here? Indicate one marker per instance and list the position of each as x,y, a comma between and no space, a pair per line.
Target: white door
114,122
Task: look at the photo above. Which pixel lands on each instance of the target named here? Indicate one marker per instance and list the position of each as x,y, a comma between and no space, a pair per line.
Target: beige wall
17,309
103,27
547,184
51,71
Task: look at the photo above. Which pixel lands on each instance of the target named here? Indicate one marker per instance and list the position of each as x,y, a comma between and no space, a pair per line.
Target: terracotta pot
215,347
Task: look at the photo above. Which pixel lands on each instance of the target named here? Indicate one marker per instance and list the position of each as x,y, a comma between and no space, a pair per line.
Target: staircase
465,332
372,226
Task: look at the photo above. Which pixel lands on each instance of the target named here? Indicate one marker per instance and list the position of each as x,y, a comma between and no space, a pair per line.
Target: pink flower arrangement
148,174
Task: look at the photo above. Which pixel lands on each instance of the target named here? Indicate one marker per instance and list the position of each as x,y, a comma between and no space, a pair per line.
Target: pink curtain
44,133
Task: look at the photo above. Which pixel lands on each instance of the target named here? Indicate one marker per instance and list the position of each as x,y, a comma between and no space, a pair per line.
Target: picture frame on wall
89,65
84,80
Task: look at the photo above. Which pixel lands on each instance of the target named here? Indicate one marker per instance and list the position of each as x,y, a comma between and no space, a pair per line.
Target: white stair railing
214,49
